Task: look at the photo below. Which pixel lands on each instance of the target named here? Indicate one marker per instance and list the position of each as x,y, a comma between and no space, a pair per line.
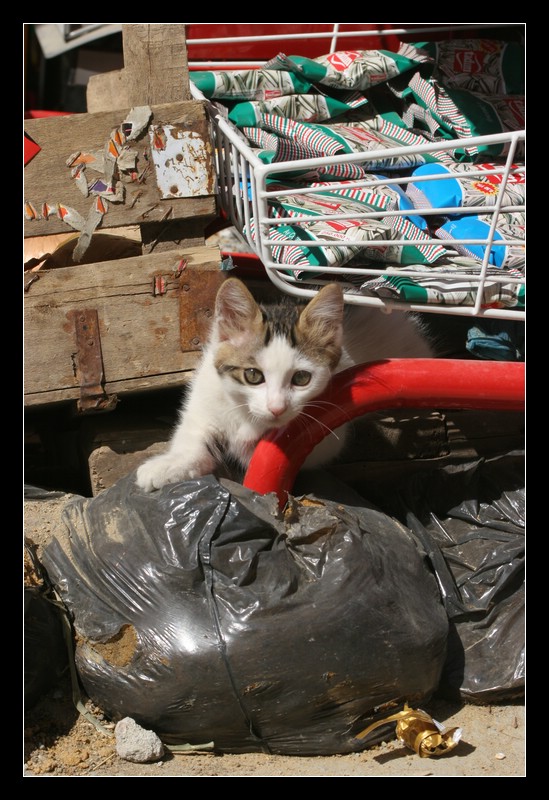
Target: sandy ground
60,742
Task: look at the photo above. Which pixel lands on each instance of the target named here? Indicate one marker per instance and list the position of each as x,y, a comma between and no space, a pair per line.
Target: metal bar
89,362
390,384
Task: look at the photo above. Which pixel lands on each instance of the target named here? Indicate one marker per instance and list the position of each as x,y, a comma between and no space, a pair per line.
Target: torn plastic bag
470,518
206,614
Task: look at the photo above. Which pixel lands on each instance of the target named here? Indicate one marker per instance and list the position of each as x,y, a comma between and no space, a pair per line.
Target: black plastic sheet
45,650
206,615
470,517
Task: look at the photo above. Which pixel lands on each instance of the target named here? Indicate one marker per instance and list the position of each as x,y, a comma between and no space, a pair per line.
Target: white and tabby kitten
262,365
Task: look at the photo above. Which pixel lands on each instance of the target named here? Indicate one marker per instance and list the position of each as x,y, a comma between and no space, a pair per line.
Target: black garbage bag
205,614
470,518
45,653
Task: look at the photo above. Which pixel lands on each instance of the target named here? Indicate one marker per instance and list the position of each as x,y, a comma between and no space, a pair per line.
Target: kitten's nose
277,409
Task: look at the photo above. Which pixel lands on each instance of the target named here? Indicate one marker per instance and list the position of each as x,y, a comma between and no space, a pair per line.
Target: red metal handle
394,383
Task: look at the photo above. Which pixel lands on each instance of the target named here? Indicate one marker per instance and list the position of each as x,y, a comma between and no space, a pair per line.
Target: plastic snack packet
248,84
486,66
304,107
353,69
456,189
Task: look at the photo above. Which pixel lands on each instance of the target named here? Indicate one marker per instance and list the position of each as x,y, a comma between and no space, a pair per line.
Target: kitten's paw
161,470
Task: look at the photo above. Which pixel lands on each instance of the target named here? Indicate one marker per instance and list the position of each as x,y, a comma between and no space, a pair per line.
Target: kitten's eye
301,377
254,376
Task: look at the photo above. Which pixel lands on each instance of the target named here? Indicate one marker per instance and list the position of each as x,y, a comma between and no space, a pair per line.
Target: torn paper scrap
95,215
136,122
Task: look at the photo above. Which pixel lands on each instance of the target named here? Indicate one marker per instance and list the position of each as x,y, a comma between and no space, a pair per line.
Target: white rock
134,743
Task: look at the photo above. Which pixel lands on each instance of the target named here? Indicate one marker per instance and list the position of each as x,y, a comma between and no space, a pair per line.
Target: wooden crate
96,331
93,331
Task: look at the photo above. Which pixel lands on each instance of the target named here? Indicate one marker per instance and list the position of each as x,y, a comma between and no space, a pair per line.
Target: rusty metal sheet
182,157
196,306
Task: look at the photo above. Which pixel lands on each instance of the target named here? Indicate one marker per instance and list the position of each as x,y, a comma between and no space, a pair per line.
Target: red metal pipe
394,383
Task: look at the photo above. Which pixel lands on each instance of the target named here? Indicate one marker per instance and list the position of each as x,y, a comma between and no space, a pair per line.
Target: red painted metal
265,50
383,37
390,384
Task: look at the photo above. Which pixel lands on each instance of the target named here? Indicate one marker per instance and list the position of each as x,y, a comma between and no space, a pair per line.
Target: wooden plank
155,69
189,362
107,91
48,179
117,243
137,301
155,56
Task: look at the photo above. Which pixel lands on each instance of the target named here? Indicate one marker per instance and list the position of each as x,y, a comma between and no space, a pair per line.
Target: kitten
262,365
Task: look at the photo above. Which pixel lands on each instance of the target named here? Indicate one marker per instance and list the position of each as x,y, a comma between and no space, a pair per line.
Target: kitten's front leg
180,463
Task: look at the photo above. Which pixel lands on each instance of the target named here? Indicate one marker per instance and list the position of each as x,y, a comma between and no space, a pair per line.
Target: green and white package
326,172
291,140
487,66
302,107
385,132
459,113
352,229
248,84
454,281
373,193
353,69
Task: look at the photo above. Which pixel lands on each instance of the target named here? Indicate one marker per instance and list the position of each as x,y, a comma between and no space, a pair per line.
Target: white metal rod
340,34
245,192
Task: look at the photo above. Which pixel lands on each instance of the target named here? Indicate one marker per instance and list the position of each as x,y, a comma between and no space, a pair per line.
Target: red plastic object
394,383
30,148
39,114
305,45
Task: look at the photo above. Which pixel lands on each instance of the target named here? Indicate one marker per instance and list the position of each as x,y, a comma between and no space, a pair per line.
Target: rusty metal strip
197,292
93,396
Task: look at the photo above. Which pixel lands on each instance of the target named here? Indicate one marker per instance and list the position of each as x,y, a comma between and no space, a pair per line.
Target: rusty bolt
186,287
195,341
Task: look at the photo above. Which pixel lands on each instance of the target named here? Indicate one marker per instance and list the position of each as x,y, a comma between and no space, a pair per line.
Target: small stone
500,756
134,743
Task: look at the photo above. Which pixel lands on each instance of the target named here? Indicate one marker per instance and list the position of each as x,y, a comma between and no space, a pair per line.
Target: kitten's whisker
234,408
322,425
324,403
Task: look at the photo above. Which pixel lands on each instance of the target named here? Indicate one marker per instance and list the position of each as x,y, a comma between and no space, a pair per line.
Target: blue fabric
496,340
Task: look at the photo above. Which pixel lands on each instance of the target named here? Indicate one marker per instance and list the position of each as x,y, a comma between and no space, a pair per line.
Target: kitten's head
276,358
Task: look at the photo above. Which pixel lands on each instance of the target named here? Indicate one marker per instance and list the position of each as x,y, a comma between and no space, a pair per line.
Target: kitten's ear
236,311
321,321
325,309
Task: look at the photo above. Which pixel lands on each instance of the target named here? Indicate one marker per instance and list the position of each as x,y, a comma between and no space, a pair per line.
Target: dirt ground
60,742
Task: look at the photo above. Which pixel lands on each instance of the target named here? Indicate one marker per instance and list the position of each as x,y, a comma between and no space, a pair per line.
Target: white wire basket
249,193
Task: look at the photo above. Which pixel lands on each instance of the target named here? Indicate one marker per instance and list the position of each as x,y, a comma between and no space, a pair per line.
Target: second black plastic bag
205,614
